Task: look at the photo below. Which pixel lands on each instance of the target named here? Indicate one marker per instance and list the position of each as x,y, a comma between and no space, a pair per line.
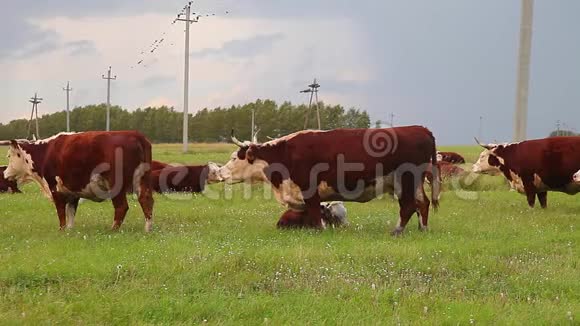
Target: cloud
158,81
242,48
81,47
25,40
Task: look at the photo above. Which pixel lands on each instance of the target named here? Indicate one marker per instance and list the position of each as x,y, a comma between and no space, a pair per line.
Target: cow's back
554,160
75,157
390,147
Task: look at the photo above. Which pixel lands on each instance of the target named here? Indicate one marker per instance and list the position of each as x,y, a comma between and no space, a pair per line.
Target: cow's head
213,175
20,164
489,161
576,177
243,164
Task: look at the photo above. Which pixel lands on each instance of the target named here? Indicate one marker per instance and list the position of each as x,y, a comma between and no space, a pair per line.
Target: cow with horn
534,167
353,165
90,165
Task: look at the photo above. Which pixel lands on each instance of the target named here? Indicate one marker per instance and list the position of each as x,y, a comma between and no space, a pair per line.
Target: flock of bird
147,52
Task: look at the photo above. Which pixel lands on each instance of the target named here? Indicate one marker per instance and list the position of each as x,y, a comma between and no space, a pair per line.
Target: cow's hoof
397,232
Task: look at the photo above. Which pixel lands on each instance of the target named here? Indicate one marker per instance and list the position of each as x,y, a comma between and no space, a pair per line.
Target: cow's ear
494,161
250,155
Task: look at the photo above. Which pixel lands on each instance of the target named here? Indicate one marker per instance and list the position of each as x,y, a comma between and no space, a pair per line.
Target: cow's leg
60,204
71,210
531,196
543,198
422,203
146,201
406,211
121,208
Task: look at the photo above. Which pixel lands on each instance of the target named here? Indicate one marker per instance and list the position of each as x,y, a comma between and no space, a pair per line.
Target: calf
333,213
534,167
184,178
91,165
450,157
6,185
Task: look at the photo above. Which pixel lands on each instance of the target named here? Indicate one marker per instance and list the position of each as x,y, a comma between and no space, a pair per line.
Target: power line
188,17
35,101
109,78
521,112
313,90
187,21
68,90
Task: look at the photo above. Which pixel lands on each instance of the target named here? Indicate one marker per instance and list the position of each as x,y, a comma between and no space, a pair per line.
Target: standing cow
534,167
353,165
7,185
184,178
91,165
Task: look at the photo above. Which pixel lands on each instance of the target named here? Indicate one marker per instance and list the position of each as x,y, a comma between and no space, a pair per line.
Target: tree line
165,125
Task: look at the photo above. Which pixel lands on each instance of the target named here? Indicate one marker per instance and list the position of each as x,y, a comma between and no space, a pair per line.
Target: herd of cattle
311,172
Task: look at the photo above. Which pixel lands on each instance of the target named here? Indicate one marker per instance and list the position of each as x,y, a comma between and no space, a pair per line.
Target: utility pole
480,129
186,17
253,122
109,78
35,101
68,90
521,114
392,120
313,90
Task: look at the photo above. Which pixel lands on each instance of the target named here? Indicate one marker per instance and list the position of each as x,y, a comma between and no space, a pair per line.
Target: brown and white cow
356,165
184,178
92,165
450,157
534,167
7,185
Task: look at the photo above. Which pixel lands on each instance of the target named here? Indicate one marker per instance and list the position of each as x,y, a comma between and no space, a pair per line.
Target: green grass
487,260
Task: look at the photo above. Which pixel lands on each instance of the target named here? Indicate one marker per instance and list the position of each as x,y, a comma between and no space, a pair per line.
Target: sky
442,64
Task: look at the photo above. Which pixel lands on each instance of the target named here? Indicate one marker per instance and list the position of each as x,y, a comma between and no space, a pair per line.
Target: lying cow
450,157
333,213
91,165
447,170
357,165
576,177
534,167
183,178
6,185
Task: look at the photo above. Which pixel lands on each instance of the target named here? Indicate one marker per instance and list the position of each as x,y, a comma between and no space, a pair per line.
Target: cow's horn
482,145
4,142
236,141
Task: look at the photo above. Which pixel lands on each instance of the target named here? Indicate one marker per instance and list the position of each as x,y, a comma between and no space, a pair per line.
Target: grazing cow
91,165
333,213
354,165
534,167
6,185
184,178
450,157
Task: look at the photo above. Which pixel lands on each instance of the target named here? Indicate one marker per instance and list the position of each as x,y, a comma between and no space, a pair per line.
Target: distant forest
165,125
557,133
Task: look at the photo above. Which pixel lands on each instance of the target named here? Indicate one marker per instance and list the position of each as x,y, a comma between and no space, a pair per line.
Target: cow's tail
436,175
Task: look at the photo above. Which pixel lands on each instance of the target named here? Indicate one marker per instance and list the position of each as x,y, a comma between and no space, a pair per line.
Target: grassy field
488,259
